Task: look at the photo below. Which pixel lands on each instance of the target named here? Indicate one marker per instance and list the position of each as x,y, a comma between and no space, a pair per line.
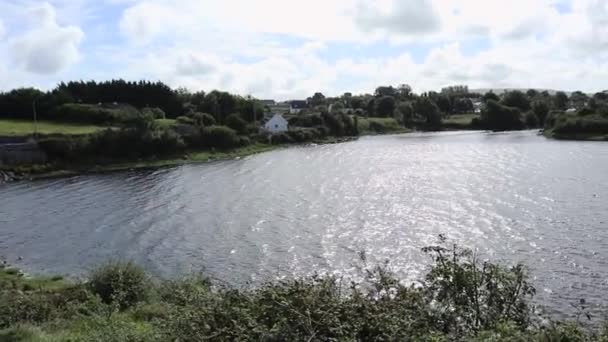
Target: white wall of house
294,110
277,124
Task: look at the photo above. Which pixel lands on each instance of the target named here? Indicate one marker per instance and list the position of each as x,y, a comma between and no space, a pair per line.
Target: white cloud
289,49
2,30
406,17
46,47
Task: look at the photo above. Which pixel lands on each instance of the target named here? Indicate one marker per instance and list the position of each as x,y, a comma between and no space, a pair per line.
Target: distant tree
317,99
428,110
561,100
337,107
385,91
541,110
371,107
579,99
490,96
516,99
444,103
357,103
462,105
404,91
532,93
406,111
531,120
498,117
385,106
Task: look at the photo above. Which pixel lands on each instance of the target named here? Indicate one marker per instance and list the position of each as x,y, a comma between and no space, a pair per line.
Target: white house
276,124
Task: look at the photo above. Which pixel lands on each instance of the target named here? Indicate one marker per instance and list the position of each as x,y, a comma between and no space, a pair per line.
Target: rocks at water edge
7,176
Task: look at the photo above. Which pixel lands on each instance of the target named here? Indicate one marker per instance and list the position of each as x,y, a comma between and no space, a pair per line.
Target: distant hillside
499,91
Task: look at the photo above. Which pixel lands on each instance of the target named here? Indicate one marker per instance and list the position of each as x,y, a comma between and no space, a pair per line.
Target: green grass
390,126
16,128
13,278
165,123
459,121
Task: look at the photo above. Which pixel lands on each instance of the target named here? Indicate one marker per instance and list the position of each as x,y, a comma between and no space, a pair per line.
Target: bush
202,119
501,118
156,113
531,120
120,283
219,137
235,122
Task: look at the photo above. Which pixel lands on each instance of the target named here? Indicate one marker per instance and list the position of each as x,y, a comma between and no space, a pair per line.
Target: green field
165,123
15,128
459,120
389,125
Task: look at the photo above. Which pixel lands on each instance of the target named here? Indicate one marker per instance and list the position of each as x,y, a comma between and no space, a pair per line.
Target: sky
288,49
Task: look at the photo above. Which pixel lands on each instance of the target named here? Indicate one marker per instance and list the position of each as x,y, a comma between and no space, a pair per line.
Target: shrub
500,118
202,119
120,283
219,137
235,122
531,120
155,112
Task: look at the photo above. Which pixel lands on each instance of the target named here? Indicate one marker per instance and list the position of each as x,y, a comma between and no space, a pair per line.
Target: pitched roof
299,104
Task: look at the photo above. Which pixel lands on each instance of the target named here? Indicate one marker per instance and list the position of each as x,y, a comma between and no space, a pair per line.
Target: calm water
514,197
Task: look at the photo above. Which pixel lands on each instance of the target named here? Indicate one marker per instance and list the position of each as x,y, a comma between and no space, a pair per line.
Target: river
513,197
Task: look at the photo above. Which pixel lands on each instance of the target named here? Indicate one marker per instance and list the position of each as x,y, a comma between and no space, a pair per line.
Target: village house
276,124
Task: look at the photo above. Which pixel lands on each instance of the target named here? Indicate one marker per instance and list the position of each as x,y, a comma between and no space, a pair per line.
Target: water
514,197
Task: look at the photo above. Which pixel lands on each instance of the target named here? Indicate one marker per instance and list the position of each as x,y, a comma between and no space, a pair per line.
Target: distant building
268,103
297,106
276,124
571,110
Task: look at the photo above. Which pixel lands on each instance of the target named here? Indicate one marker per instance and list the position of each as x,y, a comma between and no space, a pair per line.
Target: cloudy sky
287,49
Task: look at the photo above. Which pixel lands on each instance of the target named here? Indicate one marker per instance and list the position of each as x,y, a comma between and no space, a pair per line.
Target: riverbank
549,133
121,302
47,171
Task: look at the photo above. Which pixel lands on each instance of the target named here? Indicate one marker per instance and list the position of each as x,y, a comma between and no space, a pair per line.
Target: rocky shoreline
8,176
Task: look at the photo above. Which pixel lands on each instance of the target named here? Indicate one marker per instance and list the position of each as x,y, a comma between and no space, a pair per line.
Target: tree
428,110
490,96
516,99
444,103
371,107
541,110
561,100
385,91
532,93
317,99
357,103
385,106
498,117
337,107
406,111
404,91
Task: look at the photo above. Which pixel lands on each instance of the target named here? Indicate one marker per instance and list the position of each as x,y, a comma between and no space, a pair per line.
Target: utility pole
35,118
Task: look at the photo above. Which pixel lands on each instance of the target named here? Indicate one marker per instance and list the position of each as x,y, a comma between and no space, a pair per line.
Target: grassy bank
193,157
459,299
370,126
15,128
459,121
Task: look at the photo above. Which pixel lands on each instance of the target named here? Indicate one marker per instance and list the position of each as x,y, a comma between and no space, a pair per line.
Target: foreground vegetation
460,298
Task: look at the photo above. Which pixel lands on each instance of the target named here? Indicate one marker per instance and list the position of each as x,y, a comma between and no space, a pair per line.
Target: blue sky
261,48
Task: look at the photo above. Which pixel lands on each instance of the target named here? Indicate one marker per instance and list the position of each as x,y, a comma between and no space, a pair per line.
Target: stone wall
21,154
